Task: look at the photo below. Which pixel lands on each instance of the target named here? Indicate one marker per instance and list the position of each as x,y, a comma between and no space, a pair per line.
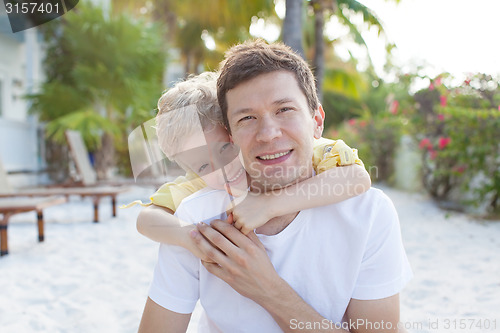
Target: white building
21,56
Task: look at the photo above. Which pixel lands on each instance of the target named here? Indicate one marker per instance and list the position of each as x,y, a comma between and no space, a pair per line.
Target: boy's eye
203,168
225,146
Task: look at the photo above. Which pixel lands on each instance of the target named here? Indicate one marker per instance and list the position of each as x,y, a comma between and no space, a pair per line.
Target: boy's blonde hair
186,109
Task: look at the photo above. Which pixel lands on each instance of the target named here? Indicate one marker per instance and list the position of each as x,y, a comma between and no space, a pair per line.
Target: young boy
190,131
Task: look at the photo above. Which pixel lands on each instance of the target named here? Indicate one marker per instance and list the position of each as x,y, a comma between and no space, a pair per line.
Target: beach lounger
94,192
149,153
9,207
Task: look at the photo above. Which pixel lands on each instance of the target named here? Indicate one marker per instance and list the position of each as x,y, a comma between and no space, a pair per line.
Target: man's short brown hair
252,58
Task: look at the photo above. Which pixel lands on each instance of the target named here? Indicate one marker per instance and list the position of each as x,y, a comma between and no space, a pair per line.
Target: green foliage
103,75
86,121
346,81
457,131
339,108
376,137
227,22
373,123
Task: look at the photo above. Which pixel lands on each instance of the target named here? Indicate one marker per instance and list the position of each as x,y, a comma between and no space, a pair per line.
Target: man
314,269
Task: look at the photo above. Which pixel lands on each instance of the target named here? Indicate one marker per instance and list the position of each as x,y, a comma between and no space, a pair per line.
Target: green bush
376,138
104,76
468,149
457,131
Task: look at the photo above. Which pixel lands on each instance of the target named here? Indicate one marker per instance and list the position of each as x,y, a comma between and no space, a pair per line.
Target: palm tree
226,21
292,26
343,10
102,74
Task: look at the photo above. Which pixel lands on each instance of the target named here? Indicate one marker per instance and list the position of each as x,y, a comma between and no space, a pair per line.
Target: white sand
90,277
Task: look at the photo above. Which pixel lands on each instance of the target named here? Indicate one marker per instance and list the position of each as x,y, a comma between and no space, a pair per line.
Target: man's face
271,122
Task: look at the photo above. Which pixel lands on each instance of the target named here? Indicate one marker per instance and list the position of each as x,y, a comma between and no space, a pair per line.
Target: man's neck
276,225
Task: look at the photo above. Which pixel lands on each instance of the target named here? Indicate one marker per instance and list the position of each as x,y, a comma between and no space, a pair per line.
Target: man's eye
245,118
285,109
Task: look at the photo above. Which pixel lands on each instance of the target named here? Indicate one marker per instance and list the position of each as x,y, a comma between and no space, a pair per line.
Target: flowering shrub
458,133
376,138
381,118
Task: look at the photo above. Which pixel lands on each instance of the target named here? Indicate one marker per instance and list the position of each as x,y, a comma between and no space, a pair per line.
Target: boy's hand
250,212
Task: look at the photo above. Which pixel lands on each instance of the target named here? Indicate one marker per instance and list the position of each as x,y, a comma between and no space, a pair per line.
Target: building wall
21,56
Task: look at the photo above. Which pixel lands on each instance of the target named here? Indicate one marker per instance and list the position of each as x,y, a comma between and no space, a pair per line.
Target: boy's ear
319,119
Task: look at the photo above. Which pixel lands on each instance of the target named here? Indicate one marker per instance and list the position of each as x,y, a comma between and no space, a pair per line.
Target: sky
456,36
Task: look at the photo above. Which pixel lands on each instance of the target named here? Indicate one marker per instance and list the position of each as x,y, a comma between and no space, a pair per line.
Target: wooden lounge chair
148,153
96,192
9,207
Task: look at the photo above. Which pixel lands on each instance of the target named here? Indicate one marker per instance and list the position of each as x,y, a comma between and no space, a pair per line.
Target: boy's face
213,157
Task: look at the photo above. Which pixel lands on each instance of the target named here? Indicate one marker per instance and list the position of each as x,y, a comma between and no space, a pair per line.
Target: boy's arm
160,225
331,186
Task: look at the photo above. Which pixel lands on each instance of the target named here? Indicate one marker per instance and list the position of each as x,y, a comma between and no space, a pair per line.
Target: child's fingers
238,225
230,218
246,230
253,237
229,212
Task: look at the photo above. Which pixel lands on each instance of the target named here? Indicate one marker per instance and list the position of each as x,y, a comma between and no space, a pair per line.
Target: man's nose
268,130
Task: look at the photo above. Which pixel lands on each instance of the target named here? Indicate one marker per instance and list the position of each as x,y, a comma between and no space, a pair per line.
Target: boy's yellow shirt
327,154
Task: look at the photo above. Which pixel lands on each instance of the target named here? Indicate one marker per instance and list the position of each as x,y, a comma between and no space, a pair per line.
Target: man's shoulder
373,197
362,209
204,205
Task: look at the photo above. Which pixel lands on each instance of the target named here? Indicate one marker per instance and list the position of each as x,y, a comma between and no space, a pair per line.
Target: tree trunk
105,157
319,47
187,64
292,26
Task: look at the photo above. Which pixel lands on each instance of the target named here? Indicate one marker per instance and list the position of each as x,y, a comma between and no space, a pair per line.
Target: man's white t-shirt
328,255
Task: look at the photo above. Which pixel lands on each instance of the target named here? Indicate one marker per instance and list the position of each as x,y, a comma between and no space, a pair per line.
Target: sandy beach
94,277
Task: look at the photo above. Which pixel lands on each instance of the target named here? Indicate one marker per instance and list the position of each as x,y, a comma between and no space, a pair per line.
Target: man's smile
273,158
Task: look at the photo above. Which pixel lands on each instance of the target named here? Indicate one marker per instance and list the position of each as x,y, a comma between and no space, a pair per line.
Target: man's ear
319,119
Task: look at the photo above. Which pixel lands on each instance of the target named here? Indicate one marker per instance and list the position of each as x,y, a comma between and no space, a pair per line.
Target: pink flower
441,117
443,142
438,81
467,82
425,143
499,108
459,168
431,86
443,100
352,122
394,107
362,123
